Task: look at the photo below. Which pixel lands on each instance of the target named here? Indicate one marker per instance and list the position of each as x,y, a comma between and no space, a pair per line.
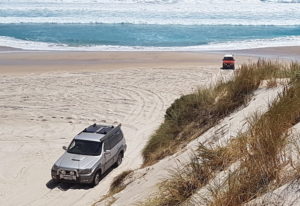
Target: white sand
148,178
42,112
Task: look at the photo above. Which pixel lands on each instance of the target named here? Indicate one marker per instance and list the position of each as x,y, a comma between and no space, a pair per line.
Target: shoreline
283,52
16,61
38,62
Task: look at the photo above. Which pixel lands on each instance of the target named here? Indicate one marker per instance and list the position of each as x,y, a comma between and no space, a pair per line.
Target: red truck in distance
228,62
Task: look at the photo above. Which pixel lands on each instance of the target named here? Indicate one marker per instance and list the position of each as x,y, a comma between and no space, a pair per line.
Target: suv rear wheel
119,160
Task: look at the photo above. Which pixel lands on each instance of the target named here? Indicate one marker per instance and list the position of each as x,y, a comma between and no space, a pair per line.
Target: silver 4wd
92,152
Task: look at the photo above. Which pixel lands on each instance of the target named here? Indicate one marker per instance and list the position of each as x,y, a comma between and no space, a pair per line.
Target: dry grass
264,158
260,151
193,114
184,182
118,184
181,185
271,83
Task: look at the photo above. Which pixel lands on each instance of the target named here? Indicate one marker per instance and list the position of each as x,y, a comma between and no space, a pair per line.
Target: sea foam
231,45
170,24
183,12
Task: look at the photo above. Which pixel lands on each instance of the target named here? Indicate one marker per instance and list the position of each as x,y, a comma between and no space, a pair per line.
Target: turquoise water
142,35
149,24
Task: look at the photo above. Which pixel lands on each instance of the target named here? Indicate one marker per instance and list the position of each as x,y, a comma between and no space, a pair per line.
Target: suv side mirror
64,148
107,152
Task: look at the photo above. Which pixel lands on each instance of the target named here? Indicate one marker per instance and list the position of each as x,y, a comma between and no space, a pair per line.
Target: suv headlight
85,171
55,167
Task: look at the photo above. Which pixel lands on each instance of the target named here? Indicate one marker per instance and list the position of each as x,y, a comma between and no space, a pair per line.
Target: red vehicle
228,62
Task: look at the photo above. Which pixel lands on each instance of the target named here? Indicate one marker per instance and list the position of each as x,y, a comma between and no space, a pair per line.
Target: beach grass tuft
118,184
265,157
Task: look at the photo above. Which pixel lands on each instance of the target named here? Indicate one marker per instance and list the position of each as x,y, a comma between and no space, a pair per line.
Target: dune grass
193,114
265,157
184,182
260,151
117,184
204,165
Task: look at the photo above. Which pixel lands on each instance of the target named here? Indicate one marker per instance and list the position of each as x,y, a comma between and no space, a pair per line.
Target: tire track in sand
135,97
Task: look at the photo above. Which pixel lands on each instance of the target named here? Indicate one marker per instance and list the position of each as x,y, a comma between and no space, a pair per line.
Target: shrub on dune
260,152
191,115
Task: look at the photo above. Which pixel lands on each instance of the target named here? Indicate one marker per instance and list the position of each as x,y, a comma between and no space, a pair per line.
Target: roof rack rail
106,130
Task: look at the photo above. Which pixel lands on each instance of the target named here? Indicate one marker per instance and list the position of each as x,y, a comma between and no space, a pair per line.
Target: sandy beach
37,62
46,98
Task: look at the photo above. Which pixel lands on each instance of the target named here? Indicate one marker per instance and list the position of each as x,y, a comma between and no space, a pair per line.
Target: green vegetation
259,151
264,157
204,164
185,182
193,114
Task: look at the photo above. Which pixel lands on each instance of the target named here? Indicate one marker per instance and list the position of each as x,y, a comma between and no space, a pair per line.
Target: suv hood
76,161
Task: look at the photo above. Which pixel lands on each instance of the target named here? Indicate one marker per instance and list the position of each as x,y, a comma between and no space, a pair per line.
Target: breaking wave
230,45
184,12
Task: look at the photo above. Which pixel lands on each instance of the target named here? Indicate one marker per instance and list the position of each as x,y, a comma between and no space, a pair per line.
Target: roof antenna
94,125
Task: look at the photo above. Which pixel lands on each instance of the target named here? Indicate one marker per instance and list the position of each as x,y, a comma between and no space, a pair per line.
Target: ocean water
149,24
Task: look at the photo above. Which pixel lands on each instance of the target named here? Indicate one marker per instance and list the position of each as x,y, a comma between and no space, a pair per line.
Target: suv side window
113,140
119,136
107,144
116,138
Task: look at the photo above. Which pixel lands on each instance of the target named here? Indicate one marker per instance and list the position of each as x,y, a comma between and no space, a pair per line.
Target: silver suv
92,152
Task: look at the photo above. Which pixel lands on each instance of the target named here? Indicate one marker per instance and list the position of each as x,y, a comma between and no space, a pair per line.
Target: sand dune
146,180
56,94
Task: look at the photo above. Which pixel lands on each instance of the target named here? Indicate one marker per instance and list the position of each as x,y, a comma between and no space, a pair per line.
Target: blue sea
171,25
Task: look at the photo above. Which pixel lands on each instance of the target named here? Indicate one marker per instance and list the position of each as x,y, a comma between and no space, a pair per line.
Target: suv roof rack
105,130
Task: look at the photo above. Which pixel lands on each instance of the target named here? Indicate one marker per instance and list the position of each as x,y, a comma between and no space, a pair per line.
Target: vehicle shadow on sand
65,186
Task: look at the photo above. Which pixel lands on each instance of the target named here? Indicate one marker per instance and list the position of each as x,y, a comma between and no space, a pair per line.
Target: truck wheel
97,178
119,160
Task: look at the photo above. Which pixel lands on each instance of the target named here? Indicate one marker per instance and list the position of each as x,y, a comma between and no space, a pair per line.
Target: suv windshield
84,147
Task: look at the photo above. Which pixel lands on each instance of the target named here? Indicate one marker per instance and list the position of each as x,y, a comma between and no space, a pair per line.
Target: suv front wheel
97,178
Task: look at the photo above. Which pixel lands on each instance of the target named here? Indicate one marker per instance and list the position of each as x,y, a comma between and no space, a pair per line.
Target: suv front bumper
228,66
81,178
